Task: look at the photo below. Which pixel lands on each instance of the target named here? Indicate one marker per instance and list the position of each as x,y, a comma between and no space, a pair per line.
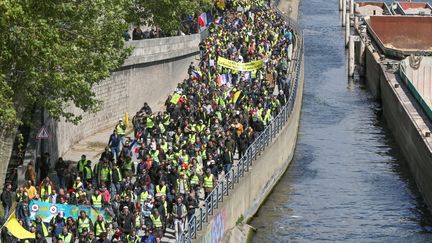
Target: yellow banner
240,66
16,229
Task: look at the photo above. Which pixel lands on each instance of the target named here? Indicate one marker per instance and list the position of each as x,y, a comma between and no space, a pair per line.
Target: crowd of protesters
181,152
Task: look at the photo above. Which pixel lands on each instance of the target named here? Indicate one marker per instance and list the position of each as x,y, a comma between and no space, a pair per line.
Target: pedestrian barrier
223,187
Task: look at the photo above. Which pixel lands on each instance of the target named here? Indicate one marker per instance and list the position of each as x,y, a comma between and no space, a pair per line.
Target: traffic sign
42,133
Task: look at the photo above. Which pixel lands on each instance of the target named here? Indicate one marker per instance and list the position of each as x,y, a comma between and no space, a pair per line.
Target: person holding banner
83,222
57,224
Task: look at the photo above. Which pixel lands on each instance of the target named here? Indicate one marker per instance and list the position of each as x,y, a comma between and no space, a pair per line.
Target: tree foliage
52,52
166,14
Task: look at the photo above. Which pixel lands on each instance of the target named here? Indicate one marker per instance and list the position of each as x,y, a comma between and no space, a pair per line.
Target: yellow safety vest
97,201
186,186
65,238
43,190
138,222
104,174
194,180
77,185
128,239
81,165
156,221
88,173
164,147
143,197
208,181
44,229
155,155
149,122
162,128
120,130
160,190
100,228
83,224
118,173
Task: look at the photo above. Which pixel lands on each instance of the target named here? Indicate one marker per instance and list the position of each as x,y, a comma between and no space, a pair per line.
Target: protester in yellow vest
66,236
162,188
77,184
81,165
97,200
83,222
209,182
132,237
100,226
157,223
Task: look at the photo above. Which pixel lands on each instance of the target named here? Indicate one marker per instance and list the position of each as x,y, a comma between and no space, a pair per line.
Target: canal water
348,181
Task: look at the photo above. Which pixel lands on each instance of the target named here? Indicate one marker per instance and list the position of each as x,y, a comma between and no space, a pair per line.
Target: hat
78,178
125,207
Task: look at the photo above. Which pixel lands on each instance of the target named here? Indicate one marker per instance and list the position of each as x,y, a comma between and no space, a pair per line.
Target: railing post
238,174
206,212
217,197
201,219
232,179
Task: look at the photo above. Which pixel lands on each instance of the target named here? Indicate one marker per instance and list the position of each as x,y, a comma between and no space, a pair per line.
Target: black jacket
6,198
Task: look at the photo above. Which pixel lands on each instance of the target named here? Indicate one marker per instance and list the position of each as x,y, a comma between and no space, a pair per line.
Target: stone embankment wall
150,74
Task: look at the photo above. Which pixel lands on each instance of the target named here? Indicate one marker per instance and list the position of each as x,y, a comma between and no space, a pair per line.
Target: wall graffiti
217,229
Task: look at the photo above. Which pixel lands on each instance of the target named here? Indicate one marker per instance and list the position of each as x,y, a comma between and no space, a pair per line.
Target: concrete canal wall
406,120
150,74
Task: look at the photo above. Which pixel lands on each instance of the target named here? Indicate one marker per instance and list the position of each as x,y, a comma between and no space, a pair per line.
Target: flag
236,96
219,20
15,228
196,75
135,147
210,17
202,21
223,79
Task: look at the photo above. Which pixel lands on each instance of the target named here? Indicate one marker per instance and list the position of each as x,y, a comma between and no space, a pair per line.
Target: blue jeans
28,222
115,152
61,181
227,168
6,213
115,188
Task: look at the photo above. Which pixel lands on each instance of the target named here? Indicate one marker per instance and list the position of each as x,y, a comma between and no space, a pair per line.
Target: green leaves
53,52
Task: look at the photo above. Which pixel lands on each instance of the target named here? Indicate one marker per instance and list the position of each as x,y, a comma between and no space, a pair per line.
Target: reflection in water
348,181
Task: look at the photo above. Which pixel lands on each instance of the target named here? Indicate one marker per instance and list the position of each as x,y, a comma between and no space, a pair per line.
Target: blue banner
49,210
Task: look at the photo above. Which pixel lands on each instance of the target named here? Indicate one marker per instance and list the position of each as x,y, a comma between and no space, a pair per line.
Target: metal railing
265,138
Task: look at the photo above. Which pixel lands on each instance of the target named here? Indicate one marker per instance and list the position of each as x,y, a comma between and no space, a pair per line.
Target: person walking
6,199
209,182
60,168
30,174
114,144
179,214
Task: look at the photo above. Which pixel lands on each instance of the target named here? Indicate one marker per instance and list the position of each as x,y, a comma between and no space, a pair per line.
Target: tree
166,14
53,52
